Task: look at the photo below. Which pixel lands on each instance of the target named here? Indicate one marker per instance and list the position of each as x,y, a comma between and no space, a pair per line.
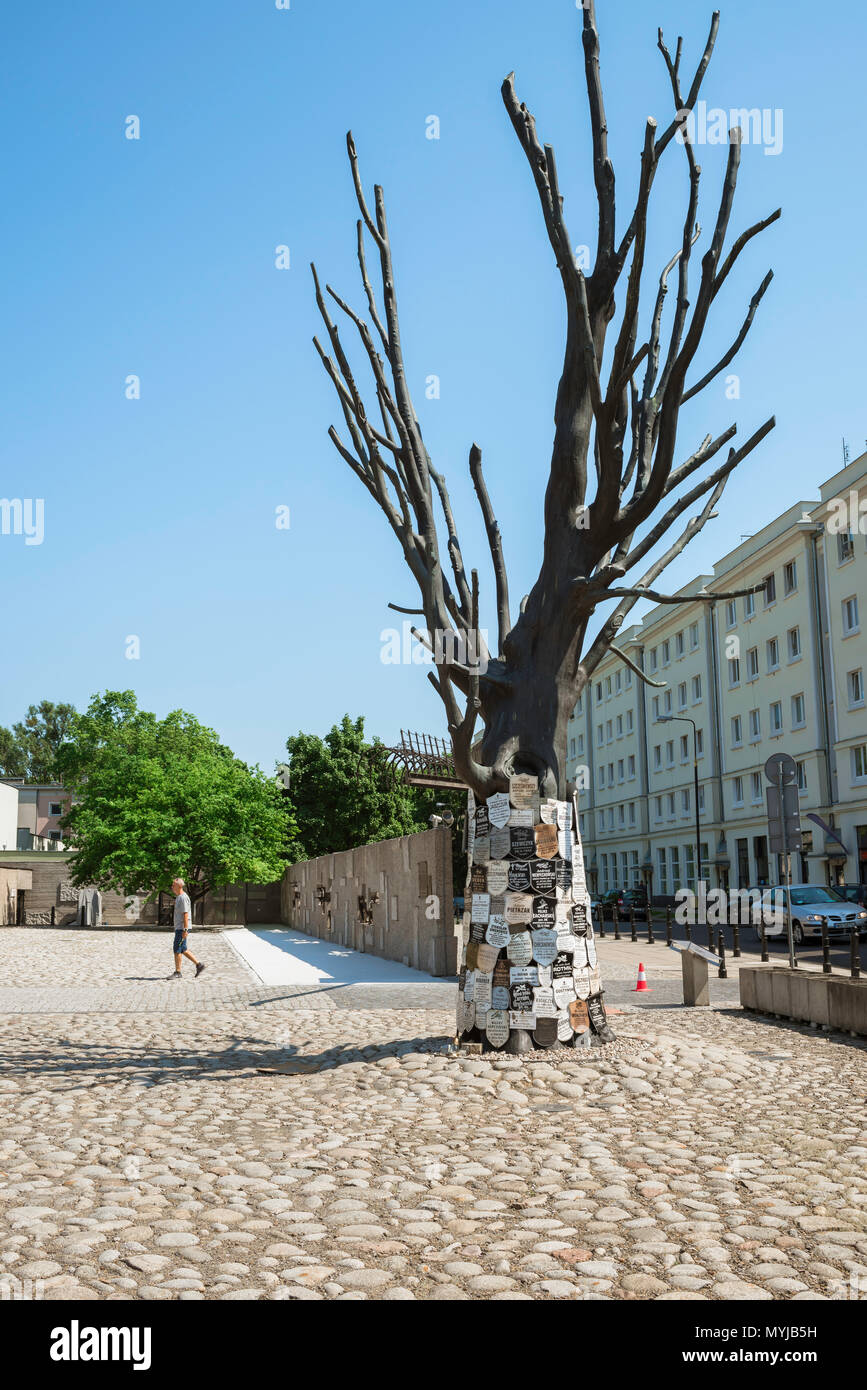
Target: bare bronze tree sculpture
528,689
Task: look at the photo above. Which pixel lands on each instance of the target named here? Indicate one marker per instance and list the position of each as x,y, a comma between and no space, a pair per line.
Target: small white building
8,816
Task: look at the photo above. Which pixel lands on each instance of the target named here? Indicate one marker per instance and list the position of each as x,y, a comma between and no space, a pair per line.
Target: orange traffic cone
642,980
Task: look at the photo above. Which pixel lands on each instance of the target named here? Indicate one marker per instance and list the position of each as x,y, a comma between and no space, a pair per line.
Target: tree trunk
529,976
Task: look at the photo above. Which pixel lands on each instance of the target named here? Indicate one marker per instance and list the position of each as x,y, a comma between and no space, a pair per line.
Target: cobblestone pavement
707,1155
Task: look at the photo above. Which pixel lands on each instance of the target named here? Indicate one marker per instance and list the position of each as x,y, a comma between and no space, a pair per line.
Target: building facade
673,764
39,807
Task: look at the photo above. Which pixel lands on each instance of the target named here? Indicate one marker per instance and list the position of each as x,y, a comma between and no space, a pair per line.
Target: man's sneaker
175,975
199,968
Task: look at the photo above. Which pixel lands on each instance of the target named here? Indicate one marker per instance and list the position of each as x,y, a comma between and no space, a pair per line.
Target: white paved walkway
283,956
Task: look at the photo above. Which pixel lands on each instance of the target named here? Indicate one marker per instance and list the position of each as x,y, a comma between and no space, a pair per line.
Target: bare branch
627,661
733,350
495,541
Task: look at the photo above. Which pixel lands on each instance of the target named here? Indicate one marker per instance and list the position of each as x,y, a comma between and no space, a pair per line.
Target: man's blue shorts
180,943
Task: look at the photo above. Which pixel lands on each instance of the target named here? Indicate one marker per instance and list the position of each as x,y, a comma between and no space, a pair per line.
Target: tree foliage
29,748
160,798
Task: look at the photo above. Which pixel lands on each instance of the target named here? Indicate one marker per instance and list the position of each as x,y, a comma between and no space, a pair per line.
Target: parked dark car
852,892
625,899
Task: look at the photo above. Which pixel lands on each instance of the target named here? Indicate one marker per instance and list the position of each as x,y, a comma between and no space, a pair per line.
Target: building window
675,867
755,787
773,652
793,638
628,680
752,663
571,748
671,810
845,546
855,687
657,756
734,671
690,868
600,776
630,767
608,687
696,689
693,636
618,682
659,808
655,707
684,801
605,873
609,732
699,743
55,808
738,791
653,659
678,644
799,717
580,745
802,776
681,695
701,798
770,590
580,705
620,726
629,721
737,731
755,725
684,748
598,691
611,774
859,762
661,871
600,734
666,653
776,711
731,613
850,615
54,834
669,753
621,815
620,769
749,605
790,577
632,813
667,701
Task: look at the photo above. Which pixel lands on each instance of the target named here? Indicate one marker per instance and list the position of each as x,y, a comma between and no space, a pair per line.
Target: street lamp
685,719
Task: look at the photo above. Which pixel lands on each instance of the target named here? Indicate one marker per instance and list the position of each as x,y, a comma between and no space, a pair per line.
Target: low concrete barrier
828,1001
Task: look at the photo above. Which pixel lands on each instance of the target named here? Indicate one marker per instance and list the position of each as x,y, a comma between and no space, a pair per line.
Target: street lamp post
685,719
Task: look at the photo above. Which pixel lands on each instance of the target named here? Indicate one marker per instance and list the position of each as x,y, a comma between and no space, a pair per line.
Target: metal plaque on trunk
482,994
564,992
598,1020
563,874
564,843
579,919
483,823
548,812
564,815
522,844
545,1032
569,945
472,955
497,878
519,877
579,1015
562,966
523,975
486,957
583,981
546,841
523,789
497,1027
497,932
545,975
477,931
502,973
499,809
543,1003
482,850
499,841
545,945
522,1021
481,907
478,879
591,951
521,819
543,912
470,986
565,1030
522,998
520,948
519,909
542,876
500,998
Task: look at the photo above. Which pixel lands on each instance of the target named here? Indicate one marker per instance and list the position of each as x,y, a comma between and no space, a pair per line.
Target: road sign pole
788,880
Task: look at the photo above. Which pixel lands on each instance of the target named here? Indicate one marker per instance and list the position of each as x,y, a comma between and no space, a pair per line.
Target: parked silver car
812,908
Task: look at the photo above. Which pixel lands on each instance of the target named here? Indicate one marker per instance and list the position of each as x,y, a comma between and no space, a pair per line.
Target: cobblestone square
144,1154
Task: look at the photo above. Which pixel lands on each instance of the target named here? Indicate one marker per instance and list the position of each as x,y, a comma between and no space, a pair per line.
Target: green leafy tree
161,798
29,749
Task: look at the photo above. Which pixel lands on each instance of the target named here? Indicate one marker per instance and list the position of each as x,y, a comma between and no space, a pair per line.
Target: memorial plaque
462,978
519,877
564,815
500,997
545,945
499,809
483,823
579,954
564,992
502,973
477,931
521,820
583,983
569,945
523,975
584,1039
579,919
561,968
497,1027
564,843
522,844
519,909
471,823
523,789
482,992
465,927
543,1003
469,1016
481,908
542,876
500,843
522,998
563,874
461,1010
545,1032
520,948
548,812
564,1027
486,958
591,952
543,913
563,916
546,841
598,1020
497,878
545,975
578,1015
472,955
478,879
522,1021
497,931
481,850
595,982
470,986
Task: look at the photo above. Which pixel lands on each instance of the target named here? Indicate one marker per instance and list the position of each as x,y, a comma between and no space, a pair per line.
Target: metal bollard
763,935
53,915
736,936
668,926
601,915
710,941
632,923
722,972
826,950
616,920
649,925
854,955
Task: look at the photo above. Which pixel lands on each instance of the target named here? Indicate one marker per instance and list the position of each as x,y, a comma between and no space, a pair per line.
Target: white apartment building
737,680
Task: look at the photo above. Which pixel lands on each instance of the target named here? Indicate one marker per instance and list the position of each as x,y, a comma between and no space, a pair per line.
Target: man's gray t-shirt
182,905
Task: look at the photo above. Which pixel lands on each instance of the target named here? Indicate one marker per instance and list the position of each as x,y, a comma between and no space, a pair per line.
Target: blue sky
156,257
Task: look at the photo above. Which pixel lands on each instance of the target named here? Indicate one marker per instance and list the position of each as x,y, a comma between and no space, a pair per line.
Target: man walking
182,923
